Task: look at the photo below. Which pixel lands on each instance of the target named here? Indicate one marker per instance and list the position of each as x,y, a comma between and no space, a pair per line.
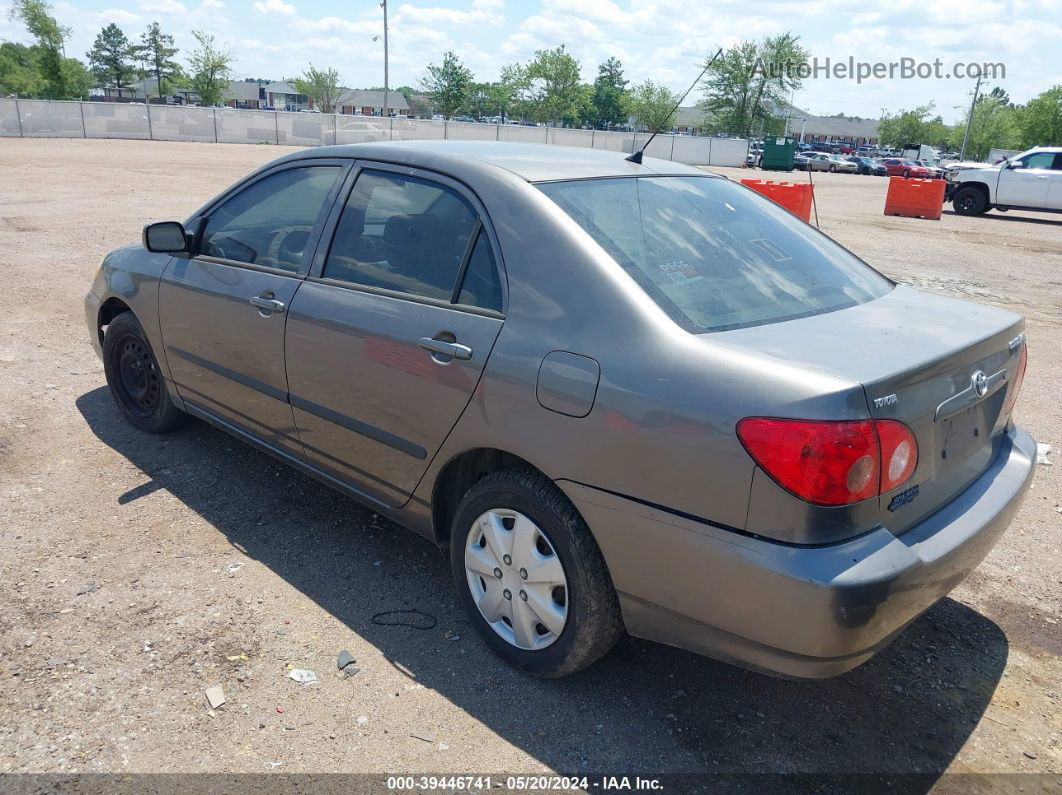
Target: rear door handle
454,349
268,304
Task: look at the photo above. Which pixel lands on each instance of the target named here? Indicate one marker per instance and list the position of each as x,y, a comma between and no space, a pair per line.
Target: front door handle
443,348
267,304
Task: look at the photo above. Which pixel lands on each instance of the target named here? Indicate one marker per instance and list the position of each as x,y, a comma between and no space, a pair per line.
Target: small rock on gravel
215,696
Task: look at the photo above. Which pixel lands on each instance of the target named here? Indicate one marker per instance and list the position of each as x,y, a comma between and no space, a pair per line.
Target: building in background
283,95
369,102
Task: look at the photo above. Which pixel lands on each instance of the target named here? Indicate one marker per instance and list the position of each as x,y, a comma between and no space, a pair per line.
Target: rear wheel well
461,474
109,310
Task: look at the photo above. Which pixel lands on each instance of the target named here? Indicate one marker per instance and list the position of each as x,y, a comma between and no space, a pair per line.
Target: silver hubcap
516,579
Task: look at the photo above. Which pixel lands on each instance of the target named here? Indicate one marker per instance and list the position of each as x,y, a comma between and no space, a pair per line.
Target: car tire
969,201
906,174
135,379
833,169
583,611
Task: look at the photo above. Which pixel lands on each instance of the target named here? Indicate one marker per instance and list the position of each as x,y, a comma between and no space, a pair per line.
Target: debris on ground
88,587
215,696
343,659
234,567
451,635
415,619
1041,453
444,747
422,737
281,710
235,657
302,676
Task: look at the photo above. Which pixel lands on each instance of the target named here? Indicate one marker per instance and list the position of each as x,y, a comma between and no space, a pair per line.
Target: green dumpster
778,153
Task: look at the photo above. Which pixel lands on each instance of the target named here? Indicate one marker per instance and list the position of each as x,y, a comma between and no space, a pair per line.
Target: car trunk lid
941,366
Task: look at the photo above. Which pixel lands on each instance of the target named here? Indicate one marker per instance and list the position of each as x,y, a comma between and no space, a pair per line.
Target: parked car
817,161
490,343
936,172
800,161
868,166
842,164
1031,180
901,167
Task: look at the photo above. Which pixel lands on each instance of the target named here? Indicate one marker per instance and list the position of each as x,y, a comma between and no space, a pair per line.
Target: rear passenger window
401,233
481,286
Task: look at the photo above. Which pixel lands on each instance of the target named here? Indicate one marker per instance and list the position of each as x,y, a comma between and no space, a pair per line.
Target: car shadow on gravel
645,708
1012,215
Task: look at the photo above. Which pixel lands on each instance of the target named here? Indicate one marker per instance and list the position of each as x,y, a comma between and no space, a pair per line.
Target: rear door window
401,233
481,285
713,254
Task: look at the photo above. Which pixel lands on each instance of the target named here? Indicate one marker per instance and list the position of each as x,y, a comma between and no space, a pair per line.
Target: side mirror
166,237
1010,164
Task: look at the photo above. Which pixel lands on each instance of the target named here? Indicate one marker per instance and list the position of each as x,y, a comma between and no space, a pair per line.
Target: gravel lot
137,571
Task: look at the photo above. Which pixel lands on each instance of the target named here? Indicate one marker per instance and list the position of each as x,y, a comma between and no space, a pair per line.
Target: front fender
131,275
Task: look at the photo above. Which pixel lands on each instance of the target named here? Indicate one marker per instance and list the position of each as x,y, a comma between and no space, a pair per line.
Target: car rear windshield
714,254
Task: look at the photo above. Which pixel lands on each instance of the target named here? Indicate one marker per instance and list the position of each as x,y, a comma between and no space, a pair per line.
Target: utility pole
387,85
969,120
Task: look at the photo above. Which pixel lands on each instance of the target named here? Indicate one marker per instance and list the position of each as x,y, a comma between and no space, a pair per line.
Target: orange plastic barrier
794,196
915,198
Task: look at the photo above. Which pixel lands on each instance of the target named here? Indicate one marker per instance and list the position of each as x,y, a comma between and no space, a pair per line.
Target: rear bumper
807,612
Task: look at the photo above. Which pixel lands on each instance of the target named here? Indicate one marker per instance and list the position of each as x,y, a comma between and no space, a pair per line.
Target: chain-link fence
36,118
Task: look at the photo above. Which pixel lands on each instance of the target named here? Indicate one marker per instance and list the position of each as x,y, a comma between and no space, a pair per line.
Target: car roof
532,162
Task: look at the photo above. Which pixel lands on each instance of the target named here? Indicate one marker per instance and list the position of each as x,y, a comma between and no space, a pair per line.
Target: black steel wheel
134,377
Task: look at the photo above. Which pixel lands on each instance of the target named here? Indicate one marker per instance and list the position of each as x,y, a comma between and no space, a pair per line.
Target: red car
902,167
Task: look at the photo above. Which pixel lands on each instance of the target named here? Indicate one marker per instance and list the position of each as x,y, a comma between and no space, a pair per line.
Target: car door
388,337
1054,184
222,310
1026,185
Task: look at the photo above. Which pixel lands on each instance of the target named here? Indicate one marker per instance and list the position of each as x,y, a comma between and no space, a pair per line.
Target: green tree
653,105
908,127
20,72
749,85
47,60
999,94
156,52
995,126
77,79
512,93
1040,121
111,58
322,86
210,67
610,94
558,95
448,84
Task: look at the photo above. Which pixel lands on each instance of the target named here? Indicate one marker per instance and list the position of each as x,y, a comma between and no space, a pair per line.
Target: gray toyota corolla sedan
623,397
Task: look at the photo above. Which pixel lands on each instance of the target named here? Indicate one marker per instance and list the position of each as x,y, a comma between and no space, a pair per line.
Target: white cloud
274,7
479,15
163,7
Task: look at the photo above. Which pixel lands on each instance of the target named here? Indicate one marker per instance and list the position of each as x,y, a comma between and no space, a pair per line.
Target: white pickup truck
1029,181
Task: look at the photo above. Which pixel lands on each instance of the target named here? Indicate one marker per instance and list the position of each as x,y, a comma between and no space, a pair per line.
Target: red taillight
899,453
831,463
1015,388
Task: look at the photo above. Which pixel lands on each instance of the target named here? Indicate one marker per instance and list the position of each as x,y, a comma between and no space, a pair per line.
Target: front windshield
714,254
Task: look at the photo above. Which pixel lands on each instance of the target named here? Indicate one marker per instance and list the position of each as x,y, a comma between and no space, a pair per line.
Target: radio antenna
637,156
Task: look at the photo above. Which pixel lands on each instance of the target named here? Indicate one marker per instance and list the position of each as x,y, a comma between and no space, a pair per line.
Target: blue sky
659,39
